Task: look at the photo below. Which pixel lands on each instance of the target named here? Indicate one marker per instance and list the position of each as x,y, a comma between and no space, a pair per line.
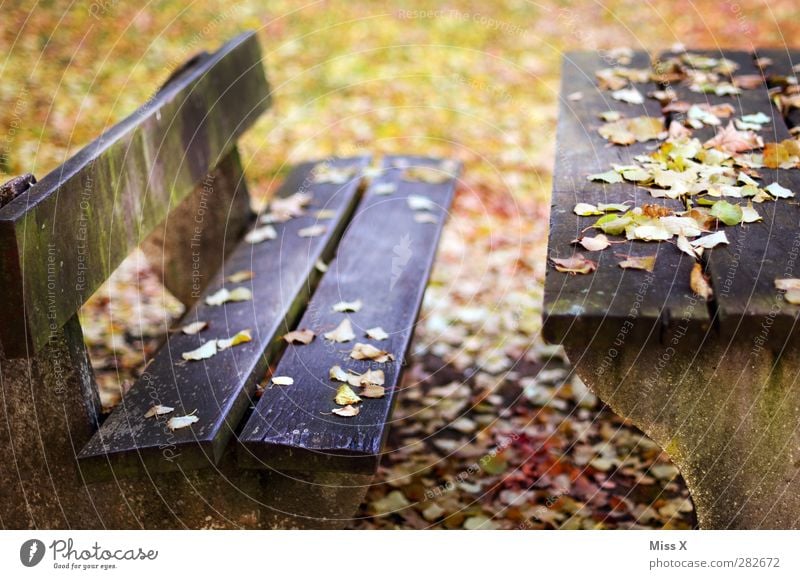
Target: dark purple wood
219,388
384,259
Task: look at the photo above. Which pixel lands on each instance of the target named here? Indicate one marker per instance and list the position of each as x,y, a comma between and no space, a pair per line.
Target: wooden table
713,382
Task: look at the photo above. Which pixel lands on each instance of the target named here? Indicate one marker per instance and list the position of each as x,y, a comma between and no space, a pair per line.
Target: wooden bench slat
219,388
783,63
77,224
612,303
743,273
384,259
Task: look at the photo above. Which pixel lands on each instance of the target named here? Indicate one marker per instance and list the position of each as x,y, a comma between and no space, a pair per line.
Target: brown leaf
370,352
347,411
699,282
646,262
733,141
342,333
303,336
575,264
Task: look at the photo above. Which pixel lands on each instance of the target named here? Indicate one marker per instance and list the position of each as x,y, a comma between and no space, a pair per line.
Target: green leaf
728,213
608,177
613,224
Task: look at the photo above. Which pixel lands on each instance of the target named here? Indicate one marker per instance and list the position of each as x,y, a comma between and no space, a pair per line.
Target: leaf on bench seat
194,328
344,307
342,333
240,294
369,352
303,336
345,396
347,411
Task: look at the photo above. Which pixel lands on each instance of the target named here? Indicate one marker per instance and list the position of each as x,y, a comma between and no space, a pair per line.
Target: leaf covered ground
492,430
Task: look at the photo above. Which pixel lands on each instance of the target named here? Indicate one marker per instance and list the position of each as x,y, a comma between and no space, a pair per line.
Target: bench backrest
63,237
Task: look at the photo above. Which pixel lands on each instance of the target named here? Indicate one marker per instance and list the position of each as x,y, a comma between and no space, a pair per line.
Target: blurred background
492,430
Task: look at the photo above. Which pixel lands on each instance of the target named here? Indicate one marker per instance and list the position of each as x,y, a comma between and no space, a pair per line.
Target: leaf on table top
575,264
260,234
420,203
178,422
586,209
628,95
312,231
373,391
645,262
596,243
240,294
302,336
728,213
778,191
750,215
240,276
194,328
733,141
343,307
336,373
203,352
633,130
377,333
711,241
239,338
158,410
607,177
342,333
282,380
347,411
699,282
369,352
346,396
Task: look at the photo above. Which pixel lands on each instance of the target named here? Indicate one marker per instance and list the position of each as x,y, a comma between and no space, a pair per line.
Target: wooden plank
611,305
384,260
218,389
743,272
783,66
62,239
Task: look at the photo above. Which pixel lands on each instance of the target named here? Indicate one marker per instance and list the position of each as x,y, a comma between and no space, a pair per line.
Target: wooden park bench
701,352
218,441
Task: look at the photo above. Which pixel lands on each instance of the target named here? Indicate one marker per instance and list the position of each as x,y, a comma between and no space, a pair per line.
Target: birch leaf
728,213
778,191
240,338
336,373
426,175
194,328
711,241
628,95
158,410
596,243
749,214
377,333
282,380
312,231
240,276
646,263
342,333
347,411
203,352
261,234
699,282
686,247
343,307
420,203
384,188
369,352
607,177
585,209
303,336
240,294
321,266
178,422
346,396
426,218
373,391
575,264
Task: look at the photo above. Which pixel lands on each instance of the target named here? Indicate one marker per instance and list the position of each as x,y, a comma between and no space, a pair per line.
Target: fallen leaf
575,96
336,373
426,218
647,262
261,234
282,380
608,177
575,264
699,282
369,352
426,175
384,188
346,396
749,214
596,243
377,333
791,287
240,294
312,231
733,141
778,191
347,411
420,203
610,116
711,241
321,266
728,213
203,352
240,276
194,328
285,208
158,410
326,173
686,247
325,214
342,333
633,130
585,210
178,422
370,377
373,391
628,95
240,338
302,336
344,307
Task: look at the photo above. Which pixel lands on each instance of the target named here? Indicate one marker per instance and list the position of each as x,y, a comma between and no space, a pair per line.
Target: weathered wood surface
384,259
189,246
97,207
613,304
219,389
746,304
